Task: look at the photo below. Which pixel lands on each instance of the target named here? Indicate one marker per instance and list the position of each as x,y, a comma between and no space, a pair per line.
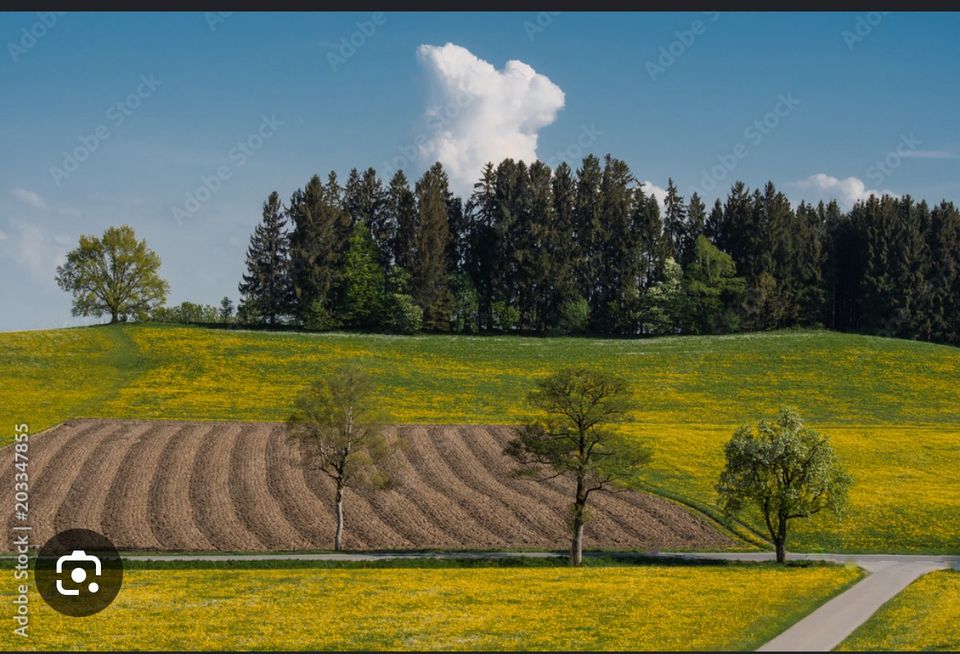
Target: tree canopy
575,436
114,275
786,471
535,250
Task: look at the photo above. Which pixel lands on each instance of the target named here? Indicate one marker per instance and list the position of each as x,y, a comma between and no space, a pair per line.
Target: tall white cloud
846,191
480,114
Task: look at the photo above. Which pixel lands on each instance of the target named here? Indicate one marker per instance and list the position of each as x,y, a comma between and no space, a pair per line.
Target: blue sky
185,122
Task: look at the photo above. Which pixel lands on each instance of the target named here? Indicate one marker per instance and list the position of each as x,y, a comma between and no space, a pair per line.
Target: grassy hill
891,406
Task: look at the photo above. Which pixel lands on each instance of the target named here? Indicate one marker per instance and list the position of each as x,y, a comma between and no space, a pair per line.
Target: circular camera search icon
79,572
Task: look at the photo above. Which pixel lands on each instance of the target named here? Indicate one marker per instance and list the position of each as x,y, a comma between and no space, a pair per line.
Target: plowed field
164,485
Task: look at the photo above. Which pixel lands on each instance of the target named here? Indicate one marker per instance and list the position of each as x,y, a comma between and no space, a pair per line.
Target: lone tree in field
336,422
784,469
575,439
115,275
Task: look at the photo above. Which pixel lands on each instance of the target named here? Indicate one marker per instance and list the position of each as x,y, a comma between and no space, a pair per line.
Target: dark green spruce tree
266,289
430,271
675,225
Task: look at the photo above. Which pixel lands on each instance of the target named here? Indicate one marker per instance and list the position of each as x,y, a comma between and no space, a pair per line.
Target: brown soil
242,487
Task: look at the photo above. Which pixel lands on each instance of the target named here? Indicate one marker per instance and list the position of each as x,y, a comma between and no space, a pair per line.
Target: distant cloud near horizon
480,114
846,191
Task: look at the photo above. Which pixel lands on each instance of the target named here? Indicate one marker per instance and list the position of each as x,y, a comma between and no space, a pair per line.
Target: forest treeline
543,251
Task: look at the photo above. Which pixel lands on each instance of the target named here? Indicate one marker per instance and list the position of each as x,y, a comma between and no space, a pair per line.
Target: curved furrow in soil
487,445
214,512
171,511
483,499
82,506
405,508
312,519
257,508
38,455
667,523
434,495
365,527
603,527
125,517
531,525
49,488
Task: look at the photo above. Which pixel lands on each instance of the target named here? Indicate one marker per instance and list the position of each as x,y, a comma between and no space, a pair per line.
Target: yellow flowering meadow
605,608
924,617
892,407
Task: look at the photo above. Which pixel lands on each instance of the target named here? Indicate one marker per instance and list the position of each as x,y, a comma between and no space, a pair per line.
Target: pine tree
320,233
481,249
943,306
560,245
675,225
401,210
587,218
366,201
266,287
430,274
696,226
538,264
651,243
618,291
714,224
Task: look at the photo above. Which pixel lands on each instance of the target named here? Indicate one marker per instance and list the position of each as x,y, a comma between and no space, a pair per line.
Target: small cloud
3,236
29,198
481,114
928,154
846,191
38,252
652,189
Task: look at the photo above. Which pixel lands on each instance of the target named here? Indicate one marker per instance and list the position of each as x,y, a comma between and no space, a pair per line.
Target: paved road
820,631
830,625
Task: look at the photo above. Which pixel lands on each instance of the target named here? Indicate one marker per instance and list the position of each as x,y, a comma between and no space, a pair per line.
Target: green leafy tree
363,281
786,471
661,310
466,306
226,310
337,423
114,275
576,437
713,290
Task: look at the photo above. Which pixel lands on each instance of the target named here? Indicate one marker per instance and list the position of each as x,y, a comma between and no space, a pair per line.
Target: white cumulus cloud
480,114
846,191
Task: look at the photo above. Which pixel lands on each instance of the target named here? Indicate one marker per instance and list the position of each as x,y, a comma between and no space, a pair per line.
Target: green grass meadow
892,407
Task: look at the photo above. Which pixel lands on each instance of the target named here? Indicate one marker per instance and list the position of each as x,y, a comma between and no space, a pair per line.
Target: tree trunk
780,541
114,316
338,538
576,547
